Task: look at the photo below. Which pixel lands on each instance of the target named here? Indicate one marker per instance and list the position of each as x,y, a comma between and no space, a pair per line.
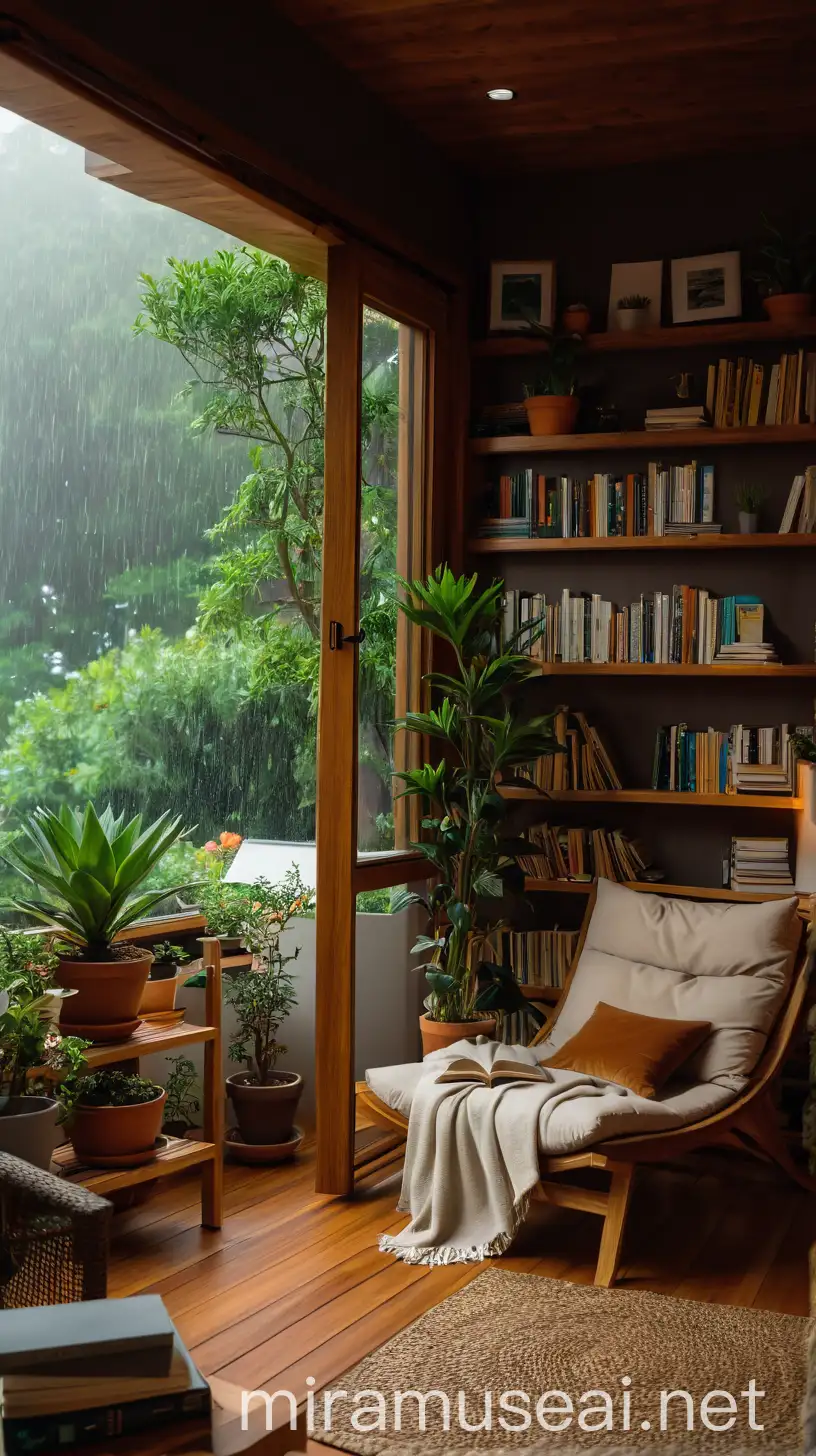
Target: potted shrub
183,1097
159,995
788,274
551,403
116,1117
632,312
227,910
266,1100
38,1066
482,737
89,868
749,500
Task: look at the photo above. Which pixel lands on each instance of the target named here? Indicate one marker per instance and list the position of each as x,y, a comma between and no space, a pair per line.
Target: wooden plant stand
179,1153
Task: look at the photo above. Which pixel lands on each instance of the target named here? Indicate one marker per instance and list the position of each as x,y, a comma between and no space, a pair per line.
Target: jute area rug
519,1333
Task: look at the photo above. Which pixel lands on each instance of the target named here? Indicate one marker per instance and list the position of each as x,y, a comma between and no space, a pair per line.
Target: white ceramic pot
632,319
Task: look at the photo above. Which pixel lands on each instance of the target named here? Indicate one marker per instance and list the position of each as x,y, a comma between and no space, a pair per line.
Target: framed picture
522,295
628,279
706,288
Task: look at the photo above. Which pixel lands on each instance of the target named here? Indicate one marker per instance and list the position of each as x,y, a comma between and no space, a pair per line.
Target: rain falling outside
161,491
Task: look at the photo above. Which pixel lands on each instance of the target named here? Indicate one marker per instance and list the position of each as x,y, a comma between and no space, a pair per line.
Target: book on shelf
561,853
537,957
740,392
585,764
802,499
467,1070
677,417
742,760
688,625
675,499
761,865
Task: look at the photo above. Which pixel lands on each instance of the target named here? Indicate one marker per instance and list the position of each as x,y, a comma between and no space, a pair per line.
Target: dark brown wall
255,86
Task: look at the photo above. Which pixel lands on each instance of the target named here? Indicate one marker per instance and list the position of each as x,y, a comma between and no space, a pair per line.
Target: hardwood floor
294,1284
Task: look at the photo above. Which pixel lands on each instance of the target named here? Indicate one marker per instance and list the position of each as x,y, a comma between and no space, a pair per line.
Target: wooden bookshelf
760,541
655,441
659,887
694,336
770,670
653,796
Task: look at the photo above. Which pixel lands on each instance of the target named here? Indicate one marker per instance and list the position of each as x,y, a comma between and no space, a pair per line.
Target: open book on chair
465,1069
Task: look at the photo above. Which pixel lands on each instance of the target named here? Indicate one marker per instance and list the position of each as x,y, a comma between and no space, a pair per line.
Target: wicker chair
53,1238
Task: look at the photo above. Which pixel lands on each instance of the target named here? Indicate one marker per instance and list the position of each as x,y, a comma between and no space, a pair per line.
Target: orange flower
230,840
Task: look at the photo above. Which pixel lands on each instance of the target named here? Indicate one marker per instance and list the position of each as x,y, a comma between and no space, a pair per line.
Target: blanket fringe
448,1254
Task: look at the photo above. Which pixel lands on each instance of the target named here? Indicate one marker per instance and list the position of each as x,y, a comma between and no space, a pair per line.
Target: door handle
337,637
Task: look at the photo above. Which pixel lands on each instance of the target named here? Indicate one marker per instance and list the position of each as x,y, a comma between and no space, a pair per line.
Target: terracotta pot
159,995
551,414
266,1114
107,1132
576,319
783,307
109,993
439,1034
28,1129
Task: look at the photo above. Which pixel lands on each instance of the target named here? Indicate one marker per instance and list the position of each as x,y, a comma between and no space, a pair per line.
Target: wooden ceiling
598,82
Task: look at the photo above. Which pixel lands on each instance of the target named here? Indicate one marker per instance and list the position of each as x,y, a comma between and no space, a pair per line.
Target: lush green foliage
89,868
262,999
183,1099
29,1023
482,738
116,1089
788,261
558,373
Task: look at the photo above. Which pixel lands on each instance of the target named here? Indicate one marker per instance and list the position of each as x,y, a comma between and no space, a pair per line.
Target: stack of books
77,1374
761,866
678,417
742,761
740,392
690,625
676,499
559,853
585,764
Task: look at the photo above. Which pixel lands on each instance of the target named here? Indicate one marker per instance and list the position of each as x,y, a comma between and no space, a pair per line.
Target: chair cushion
726,964
634,1051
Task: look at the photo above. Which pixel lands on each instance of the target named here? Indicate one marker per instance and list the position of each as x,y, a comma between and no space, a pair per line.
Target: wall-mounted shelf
677,669
761,540
693,336
655,441
654,796
659,887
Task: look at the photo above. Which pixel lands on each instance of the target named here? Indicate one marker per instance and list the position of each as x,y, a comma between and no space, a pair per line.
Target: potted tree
116,1119
159,995
482,739
788,274
89,868
551,402
265,1099
38,1066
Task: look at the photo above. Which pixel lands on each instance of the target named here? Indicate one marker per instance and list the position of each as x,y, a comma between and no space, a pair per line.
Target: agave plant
89,867
483,738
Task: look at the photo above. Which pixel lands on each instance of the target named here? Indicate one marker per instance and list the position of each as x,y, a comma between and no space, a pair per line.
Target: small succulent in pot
633,311
167,959
115,1114
89,868
749,501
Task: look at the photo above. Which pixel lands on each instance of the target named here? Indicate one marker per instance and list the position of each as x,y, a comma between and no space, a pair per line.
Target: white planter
632,319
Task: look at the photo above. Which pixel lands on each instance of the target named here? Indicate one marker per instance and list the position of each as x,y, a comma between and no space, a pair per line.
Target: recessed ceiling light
501,93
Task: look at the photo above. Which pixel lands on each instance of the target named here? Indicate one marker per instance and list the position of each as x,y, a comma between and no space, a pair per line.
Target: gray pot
632,319
747,523
28,1129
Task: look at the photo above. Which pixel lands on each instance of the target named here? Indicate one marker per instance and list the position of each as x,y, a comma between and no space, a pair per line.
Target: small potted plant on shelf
788,274
116,1119
551,402
482,737
632,312
38,1066
89,868
228,912
159,996
266,1099
749,500
183,1100
576,319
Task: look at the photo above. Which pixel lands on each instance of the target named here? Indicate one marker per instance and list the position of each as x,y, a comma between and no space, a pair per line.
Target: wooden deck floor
294,1284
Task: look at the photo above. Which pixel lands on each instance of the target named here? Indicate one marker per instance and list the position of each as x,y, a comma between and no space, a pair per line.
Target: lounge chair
667,956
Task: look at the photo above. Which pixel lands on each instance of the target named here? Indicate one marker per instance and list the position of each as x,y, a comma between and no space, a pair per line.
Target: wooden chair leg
620,1192
759,1123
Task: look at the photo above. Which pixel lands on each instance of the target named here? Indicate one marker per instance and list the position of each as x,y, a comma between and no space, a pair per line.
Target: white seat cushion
726,964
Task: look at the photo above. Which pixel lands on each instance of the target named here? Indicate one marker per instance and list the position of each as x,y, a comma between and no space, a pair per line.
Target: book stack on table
75,1375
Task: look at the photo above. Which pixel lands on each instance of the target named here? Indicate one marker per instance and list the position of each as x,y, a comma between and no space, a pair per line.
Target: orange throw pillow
638,1052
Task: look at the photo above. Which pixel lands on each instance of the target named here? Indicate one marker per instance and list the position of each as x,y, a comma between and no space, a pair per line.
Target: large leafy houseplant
482,737
89,869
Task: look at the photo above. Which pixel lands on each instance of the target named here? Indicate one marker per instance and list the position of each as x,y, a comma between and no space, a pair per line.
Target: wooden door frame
358,276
